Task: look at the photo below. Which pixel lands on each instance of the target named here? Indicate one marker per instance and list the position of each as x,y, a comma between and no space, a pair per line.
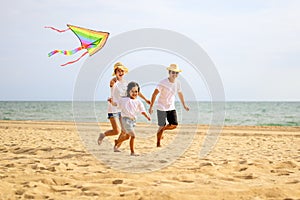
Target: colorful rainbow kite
90,40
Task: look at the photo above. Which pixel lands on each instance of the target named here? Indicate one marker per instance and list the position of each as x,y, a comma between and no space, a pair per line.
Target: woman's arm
144,98
110,100
112,82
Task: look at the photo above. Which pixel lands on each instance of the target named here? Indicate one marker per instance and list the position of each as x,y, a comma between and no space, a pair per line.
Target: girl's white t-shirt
167,91
117,91
131,107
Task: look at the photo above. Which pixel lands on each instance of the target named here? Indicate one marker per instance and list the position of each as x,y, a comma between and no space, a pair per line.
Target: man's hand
150,110
186,108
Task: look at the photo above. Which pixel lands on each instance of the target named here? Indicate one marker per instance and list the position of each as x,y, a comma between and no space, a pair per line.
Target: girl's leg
120,140
131,144
122,134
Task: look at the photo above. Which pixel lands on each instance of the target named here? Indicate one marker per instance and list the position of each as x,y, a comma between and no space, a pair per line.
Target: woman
118,88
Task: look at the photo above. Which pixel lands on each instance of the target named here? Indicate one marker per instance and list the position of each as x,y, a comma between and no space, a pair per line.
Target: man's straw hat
174,68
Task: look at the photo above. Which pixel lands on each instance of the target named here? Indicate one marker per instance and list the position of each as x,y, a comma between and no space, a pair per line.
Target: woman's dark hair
130,86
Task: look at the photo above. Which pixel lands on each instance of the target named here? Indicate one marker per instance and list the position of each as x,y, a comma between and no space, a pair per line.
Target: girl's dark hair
130,86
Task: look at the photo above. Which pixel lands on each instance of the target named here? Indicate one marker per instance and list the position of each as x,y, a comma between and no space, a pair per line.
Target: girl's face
119,73
134,92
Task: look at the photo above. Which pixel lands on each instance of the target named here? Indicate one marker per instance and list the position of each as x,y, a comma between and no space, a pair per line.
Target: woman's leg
115,129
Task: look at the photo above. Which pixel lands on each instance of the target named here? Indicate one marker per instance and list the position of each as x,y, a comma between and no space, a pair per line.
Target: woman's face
119,73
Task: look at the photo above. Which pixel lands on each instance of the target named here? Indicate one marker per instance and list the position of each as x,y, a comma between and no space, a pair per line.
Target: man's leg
170,127
161,119
172,119
159,135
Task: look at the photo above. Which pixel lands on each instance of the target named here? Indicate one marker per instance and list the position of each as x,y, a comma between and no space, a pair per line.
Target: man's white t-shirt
167,91
130,107
117,91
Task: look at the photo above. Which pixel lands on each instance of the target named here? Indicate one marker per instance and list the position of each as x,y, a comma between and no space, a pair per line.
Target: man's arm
155,93
180,95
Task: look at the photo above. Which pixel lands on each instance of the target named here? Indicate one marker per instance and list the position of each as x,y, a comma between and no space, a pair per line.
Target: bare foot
116,149
134,154
100,138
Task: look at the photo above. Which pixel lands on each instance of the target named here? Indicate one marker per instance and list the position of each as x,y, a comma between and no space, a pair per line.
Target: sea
229,114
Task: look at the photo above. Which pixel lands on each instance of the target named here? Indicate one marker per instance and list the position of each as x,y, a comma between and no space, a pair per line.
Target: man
167,88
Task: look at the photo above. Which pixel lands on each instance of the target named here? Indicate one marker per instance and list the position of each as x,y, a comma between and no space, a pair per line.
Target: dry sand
48,160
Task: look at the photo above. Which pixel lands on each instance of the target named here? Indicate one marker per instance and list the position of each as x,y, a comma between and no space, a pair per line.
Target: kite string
55,29
74,60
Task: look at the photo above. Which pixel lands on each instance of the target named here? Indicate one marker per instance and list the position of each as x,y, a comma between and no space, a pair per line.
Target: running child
130,107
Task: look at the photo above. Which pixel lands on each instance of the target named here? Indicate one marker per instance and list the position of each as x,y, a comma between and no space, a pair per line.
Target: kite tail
66,52
55,29
74,60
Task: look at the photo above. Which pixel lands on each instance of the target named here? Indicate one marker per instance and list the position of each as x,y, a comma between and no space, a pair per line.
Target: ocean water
236,113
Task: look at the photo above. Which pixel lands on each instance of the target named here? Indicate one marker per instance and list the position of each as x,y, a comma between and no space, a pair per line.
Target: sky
254,44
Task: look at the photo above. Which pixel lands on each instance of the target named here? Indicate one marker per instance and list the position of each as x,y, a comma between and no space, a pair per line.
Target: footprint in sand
293,182
245,176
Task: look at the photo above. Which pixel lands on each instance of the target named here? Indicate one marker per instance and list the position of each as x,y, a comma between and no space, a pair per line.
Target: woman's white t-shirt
117,91
167,91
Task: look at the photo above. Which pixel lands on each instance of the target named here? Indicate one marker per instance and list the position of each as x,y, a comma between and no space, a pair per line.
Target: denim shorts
111,115
128,125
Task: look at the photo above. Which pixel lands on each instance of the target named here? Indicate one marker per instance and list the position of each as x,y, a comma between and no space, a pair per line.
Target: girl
130,106
118,87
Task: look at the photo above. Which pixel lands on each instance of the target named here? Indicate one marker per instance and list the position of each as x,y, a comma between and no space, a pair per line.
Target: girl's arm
145,114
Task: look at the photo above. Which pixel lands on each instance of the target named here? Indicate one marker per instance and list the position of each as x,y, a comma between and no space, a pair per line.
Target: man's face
173,74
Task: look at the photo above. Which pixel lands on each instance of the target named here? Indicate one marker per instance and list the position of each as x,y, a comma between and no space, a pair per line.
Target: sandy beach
51,160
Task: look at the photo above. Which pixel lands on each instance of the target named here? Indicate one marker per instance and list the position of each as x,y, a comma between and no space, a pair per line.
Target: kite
90,40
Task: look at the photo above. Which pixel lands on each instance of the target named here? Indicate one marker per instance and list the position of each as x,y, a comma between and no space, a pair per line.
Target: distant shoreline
186,126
